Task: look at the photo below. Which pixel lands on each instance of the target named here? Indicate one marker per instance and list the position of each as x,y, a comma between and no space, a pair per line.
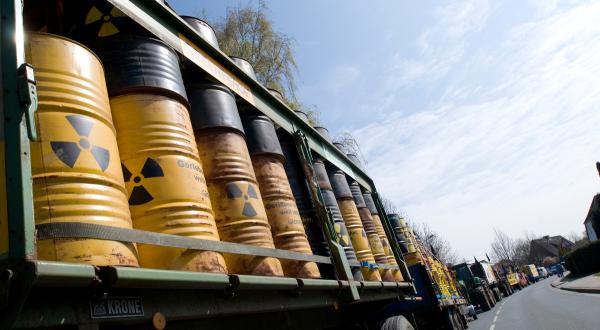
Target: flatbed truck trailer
45,294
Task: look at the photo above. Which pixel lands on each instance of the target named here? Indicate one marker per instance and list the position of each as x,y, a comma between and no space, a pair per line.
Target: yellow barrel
391,259
284,218
375,243
165,180
286,224
75,164
359,239
236,199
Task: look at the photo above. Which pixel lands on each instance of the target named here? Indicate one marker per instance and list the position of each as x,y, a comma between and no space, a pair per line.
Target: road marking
492,326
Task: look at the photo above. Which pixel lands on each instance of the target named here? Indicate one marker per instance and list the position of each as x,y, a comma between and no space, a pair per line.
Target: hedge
584,260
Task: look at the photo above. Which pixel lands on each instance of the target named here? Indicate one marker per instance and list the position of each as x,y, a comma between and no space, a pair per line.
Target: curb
582,290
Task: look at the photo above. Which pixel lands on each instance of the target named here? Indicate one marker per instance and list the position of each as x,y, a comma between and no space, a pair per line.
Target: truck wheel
486,304
397,322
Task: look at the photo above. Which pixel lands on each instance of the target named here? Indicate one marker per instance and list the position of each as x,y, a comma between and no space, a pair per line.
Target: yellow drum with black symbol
164,179
75,164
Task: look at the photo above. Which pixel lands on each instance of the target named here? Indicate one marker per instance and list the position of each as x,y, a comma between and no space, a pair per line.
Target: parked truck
440,304
531,272
480,293
485,270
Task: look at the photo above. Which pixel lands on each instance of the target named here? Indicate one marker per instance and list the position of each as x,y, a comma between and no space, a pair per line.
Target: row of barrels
129,140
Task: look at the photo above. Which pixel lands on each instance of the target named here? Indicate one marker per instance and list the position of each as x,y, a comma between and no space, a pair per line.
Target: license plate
116,307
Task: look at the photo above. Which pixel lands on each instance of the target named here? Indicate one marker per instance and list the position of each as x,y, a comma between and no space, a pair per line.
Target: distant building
548,246
592,221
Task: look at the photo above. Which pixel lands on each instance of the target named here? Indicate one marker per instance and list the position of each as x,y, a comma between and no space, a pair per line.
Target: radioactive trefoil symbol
104,18
234,191
68,152
139,194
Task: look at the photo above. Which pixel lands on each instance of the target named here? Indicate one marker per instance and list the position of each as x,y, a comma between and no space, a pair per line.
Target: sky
472,114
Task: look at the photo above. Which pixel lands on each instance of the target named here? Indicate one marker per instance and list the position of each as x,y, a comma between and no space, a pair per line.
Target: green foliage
247,32
584,260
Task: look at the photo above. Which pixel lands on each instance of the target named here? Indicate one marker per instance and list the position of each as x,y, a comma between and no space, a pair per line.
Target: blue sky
472,114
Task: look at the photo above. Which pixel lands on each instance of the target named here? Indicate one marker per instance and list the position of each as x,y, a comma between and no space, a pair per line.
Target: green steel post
17,156
337,252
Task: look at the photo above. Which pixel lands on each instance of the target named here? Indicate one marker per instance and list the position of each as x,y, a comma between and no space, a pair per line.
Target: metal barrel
276,93
324,132
75,163
89,20
303,115
401,229
339,145
282,212
234,192
244,65
204,30
338,221
136,64
159,156
303,197
355,160
375,241
358,235
387,248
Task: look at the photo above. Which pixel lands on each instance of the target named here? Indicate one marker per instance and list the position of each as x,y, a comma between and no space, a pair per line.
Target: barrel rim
77,43
198,19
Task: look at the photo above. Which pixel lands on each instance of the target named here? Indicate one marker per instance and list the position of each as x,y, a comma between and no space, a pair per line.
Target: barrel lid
261,135
370,203
276,93
321,173
303,115
357,194
339,145
204,30
213,106
354,159
244,65
395,220
134,64
324,132
340,186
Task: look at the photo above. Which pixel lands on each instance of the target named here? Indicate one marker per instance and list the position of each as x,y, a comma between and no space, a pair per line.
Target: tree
503,246
350,145
247,32
389,206
440,247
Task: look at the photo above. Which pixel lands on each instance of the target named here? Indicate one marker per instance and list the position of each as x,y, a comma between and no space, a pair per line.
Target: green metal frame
19,271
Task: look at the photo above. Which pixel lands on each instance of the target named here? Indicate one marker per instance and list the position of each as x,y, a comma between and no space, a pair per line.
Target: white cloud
515,152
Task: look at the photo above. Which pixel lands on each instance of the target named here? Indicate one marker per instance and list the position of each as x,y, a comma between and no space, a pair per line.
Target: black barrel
214,107
261,135
357,194
324,132
244,65
340,186
395,223
368,198
204,30
341,230
133,64
302,195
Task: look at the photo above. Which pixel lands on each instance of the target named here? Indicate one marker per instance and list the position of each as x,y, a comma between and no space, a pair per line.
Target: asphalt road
540,306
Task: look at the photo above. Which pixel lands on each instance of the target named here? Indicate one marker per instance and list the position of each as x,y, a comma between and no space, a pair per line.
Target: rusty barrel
377,246
303,196
387,248
158,152
278,199
75,164
232,184
331,203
